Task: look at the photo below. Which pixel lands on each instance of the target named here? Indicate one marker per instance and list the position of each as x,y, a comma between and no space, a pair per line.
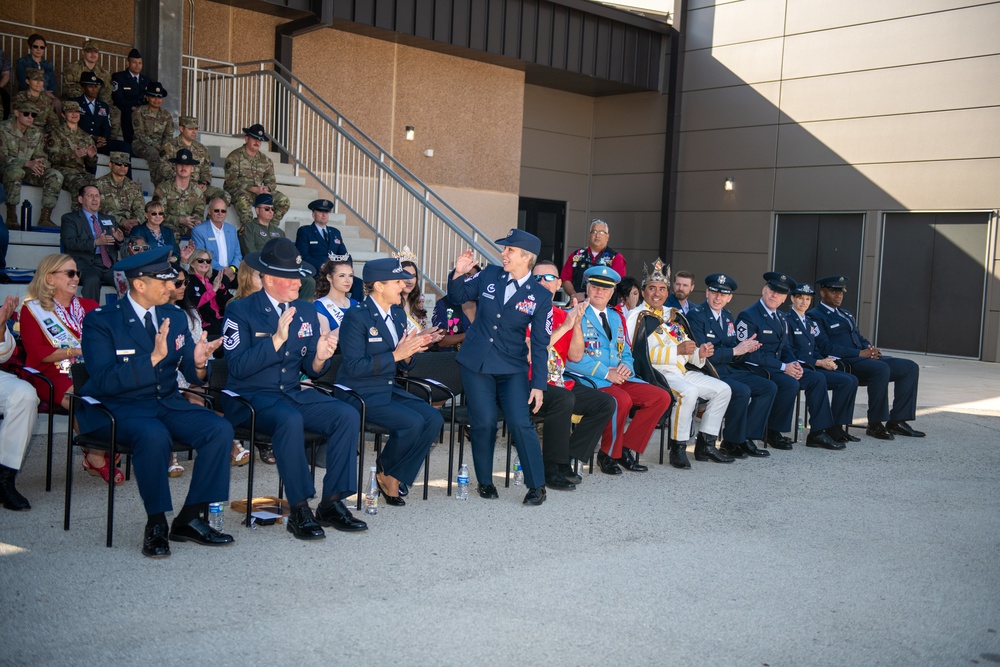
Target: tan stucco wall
230,34
108,19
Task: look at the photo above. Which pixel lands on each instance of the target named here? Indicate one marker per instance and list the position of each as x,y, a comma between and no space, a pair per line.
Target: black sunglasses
38,46
70,273
545,278
119,164
179,283
159,214
266,208
219,210
33,114
202,260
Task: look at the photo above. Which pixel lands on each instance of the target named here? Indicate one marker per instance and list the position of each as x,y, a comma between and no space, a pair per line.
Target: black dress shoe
823,439
9,495
679,455
776,440
303,525
396,501
902,428
879,432
840,434
629,461
555,480
154,542
566,470
404,490
338,516
198,531
732,449
751,450
487,491
535,496
607,464
704,450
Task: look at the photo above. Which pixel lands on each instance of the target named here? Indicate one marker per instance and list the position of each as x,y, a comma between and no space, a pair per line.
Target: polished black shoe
840,434
302,524
395,501
823,439
404,490
732,449
198,531
630,461
566,470
751,450
704,450
154,542
879,432
9,495
338,516
902,428
607,464
679,455
555,480
535,496
777,440
487,491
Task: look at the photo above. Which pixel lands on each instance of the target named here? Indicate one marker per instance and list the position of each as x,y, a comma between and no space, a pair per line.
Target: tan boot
44,219
12,221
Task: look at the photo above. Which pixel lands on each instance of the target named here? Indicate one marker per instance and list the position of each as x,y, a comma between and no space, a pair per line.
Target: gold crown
657,275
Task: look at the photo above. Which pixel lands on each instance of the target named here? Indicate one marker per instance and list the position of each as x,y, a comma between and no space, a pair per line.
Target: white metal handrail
366,183
59,53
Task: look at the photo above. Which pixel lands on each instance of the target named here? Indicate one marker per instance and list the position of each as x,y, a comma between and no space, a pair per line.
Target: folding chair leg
507,476
427,473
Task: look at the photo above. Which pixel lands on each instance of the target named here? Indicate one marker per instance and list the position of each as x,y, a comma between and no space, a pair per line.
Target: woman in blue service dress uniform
376,345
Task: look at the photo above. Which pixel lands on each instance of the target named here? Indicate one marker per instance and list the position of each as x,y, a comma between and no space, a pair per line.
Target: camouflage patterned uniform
202,173
47,119
242,172
17,149
71,89
177,202
122,200
76,171
151,130
253,235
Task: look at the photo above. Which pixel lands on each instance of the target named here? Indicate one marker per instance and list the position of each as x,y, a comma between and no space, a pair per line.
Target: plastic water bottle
518,473
25,216
371,496
462,492
215,516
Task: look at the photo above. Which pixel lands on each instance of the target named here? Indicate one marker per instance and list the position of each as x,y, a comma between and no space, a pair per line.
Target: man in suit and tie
839,336
682,287
752,395
128,90
775,360
318,242
92,239
607,362
220,238
133,350
493,358
271,337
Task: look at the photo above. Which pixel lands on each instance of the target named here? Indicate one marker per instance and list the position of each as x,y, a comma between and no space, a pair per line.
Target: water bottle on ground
371,495
518,473
462,493
215,516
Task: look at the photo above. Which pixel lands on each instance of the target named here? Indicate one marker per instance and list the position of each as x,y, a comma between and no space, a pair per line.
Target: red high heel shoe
103,472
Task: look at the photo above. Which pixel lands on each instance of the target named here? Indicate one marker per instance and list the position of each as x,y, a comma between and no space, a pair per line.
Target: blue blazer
601,354
125,92
117,349
314,249
165,232
203,236
257,371
802,338
97,124
495,344
705,329
367,347
672,302
839,335
772,334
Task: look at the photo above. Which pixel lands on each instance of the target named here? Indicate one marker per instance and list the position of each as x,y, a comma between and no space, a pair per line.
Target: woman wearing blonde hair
51,323
247,281
208,291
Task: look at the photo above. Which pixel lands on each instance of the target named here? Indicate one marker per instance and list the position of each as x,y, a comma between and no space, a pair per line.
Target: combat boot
704,450
12,221
45,218
678,455
9,496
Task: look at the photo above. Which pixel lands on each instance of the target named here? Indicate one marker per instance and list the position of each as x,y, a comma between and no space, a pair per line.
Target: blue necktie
150,328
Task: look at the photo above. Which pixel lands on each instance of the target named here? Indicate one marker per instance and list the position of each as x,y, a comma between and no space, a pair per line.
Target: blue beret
721,283
153,263
388,268
518,238
602,276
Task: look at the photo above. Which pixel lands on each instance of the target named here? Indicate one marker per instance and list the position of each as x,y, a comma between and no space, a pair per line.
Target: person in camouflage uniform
47,119
182,199
250,173
187,137
152,128
72,151
258,231
88,62
23,147
121,197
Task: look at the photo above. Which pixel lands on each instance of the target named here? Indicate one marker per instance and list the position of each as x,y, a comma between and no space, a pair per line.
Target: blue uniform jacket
117,349
203,236
97,124
705,329
802,338
314,248
495,344
599,353
772,334
839,335
125,92
365,341
257,371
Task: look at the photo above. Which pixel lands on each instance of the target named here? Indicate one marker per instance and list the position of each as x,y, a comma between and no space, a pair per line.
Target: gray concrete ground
885,553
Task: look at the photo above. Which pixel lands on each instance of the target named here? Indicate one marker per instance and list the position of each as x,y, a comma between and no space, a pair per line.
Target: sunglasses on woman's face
70,273
139,248
203,261
180,283
158,214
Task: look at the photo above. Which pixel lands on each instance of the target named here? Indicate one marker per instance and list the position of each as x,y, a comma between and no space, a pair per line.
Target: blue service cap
721,283
518,238
321,205
779,282
803,289
388,268
153,263
263,199
836,283
602,276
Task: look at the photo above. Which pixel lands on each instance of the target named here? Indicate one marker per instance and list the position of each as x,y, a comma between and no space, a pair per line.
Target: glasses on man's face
70,273
203,260
139,248
220,210
29,114
180,283
545,278
266,208
119,164
598,232
40,47
158,214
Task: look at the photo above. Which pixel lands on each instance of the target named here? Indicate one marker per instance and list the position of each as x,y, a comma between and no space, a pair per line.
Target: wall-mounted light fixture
410,132
729,184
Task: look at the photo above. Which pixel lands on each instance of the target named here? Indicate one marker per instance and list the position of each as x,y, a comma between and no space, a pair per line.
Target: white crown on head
405,255
346,257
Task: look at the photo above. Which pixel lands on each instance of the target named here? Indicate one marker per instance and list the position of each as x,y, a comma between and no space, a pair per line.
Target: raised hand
326,346
281,335
203,350
464,262
186,252
160,343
